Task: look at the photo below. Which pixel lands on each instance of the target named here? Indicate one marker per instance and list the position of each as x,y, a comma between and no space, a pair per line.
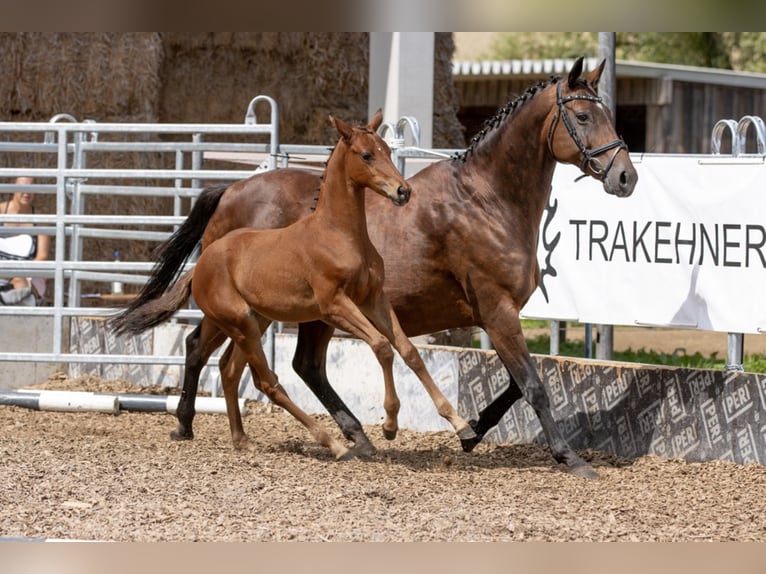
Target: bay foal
323,267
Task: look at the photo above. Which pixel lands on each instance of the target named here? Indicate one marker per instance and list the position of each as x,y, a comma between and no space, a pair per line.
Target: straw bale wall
194,78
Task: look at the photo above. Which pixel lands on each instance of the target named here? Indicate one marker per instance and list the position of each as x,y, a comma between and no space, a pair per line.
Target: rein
588,156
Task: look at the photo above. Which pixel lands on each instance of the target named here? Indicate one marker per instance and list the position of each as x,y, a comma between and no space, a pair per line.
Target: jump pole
81,401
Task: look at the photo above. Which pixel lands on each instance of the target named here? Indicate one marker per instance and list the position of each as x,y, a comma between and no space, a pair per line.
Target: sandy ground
93,476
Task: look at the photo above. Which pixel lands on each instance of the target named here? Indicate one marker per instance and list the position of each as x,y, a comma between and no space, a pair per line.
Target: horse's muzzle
402,196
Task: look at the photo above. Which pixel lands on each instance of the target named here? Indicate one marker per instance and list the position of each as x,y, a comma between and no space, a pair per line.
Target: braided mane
502,115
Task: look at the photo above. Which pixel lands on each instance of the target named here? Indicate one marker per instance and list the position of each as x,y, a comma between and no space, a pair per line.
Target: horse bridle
588,156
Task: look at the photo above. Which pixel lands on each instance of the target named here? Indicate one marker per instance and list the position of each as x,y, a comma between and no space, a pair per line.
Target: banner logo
549,246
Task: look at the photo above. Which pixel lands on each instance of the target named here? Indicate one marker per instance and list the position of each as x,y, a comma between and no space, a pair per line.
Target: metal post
735,355
485,342
555,347
78,208
178,183
607,90
58,274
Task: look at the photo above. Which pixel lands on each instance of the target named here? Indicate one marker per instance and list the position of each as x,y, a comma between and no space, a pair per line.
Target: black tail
159,310
171,256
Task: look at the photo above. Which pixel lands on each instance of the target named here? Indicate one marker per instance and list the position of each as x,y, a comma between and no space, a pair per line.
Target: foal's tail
171,256
157,310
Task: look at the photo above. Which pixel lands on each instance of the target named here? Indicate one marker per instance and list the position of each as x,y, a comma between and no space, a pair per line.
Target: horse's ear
575,72
376,120
343,128
593,77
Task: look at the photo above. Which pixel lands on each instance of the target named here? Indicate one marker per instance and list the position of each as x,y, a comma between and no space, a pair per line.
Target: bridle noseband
588,156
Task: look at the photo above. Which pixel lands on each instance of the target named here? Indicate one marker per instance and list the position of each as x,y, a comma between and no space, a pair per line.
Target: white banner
687,249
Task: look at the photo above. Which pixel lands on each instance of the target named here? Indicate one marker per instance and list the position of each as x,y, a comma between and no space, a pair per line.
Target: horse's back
268,200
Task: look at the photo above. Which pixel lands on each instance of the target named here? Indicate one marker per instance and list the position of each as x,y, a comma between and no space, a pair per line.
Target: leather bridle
588,155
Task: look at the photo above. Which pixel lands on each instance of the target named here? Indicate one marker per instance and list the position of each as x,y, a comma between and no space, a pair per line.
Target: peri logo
549,246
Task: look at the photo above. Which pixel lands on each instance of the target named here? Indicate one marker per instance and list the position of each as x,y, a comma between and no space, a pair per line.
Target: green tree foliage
742,51
520,45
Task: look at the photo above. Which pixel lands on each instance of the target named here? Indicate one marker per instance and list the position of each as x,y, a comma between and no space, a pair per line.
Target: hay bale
212,78
447,130
194,78
107,76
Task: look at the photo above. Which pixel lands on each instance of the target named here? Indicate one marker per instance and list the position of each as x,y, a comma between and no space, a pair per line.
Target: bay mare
462,253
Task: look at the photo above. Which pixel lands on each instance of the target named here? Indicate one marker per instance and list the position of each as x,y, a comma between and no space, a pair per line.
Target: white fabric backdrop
687,249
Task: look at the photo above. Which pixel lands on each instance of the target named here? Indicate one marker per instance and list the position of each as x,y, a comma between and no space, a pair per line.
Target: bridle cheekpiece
588,156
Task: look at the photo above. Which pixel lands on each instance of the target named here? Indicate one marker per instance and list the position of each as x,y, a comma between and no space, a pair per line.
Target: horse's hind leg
309,362
248,339
198,351
231,365
491,415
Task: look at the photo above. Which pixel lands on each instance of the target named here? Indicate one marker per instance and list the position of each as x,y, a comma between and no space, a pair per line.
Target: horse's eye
367,156
582,117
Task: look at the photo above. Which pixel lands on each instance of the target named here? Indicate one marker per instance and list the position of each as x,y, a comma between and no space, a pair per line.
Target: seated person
22,246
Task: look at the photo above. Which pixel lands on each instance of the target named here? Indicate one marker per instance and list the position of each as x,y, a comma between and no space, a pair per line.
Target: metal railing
738,132
69,144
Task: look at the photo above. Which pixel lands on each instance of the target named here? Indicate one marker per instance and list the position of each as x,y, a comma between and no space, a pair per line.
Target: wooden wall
676,116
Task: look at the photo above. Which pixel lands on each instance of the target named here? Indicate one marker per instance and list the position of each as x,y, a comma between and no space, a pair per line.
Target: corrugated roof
486,69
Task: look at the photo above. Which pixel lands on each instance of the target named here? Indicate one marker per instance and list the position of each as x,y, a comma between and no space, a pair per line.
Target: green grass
679,358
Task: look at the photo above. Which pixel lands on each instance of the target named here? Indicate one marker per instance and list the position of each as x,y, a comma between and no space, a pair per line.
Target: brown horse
321,268
462,253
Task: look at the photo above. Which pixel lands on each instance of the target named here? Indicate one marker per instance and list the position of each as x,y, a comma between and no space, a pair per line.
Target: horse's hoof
584,470
364,450
469,438
389,434
177,434
357,452
243,444
347,455
469,444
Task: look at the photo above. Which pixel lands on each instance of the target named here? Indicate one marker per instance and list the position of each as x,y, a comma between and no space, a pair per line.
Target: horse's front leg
504,329
344,313
491,415
384,318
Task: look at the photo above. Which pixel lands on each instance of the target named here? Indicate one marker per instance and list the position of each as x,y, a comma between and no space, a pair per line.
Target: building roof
499,69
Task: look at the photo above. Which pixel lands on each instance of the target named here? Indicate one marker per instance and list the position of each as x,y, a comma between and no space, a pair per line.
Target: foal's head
368,160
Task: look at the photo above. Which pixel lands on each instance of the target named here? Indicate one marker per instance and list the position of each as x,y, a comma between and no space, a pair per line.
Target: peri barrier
626,409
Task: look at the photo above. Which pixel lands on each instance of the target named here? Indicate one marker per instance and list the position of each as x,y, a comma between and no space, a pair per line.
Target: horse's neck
522,182
341,202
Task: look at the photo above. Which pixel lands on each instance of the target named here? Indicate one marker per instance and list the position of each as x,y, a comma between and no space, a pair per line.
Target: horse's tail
156,311
172,254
